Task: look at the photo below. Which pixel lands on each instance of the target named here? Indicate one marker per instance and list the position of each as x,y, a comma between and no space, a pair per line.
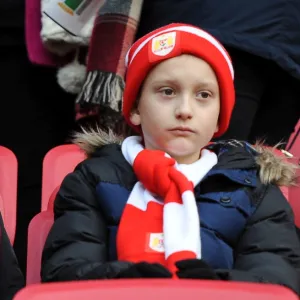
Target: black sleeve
76,247
11,277
269,249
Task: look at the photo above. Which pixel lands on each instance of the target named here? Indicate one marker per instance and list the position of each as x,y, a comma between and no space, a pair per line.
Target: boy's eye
167,91
204,94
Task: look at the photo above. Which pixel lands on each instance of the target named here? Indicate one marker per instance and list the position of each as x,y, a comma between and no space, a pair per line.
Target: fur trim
89,140
274,164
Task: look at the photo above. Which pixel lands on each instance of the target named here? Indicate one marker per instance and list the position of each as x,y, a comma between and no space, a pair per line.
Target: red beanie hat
171,41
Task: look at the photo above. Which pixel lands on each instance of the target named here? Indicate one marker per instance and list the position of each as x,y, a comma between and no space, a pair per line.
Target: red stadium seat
8,190
37,234
155,289
293,145
294,199
58,162
294,192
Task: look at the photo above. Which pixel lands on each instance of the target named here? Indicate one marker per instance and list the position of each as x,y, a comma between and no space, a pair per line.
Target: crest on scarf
156,242
163,44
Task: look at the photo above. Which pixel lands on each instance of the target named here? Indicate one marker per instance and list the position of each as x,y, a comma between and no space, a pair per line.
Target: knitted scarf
113,34
160,222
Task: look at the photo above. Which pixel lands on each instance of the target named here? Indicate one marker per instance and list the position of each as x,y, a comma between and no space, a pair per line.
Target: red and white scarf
160,222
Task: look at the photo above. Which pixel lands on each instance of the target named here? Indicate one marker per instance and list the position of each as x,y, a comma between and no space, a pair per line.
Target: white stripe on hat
189,29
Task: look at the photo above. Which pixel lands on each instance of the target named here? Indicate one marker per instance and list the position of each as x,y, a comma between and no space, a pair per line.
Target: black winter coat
253,229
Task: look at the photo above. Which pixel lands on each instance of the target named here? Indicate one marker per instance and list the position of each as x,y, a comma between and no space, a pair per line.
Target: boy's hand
195,269
145,270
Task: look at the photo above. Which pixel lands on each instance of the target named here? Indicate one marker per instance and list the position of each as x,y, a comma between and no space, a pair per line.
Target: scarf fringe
102,88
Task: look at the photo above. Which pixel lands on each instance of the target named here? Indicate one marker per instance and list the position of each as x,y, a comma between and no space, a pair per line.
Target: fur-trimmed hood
274,165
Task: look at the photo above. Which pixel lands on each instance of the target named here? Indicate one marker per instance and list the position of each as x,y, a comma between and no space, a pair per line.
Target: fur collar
274,166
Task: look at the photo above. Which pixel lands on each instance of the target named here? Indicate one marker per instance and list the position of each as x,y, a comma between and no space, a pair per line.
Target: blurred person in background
263,39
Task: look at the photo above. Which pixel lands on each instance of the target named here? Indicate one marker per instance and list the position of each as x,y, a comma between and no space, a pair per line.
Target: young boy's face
179,107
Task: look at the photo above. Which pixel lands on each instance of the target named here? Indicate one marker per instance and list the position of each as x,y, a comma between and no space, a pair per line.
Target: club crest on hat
163,44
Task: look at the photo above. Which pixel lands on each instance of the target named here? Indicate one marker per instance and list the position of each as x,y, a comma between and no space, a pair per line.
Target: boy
169,203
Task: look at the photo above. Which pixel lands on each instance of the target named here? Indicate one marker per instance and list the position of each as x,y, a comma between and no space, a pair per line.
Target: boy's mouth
182,130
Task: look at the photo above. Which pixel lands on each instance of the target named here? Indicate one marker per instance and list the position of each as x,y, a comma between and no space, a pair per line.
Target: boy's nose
184,110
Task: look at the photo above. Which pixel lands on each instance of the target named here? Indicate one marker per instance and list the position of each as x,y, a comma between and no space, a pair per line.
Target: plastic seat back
8,190
294,199
155,289
58,162
294,192
293,145
38,230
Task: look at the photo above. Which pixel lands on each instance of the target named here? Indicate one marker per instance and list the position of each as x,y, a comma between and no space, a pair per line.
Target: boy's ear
135,117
